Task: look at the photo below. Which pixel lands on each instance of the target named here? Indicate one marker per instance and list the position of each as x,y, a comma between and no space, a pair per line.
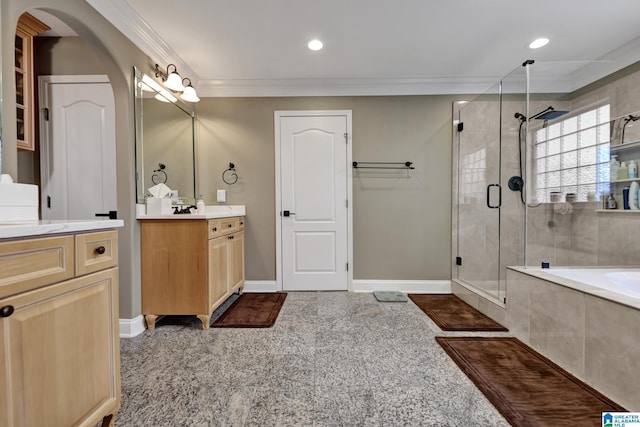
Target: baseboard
260,286
407,286
130,328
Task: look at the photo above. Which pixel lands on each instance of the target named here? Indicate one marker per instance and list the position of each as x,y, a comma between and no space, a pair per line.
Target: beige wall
401,221
117,55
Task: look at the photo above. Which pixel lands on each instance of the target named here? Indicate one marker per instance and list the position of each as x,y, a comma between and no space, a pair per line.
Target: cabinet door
236,260
59,354
218,270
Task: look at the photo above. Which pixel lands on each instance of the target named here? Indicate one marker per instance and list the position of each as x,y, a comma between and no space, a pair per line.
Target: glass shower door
479,193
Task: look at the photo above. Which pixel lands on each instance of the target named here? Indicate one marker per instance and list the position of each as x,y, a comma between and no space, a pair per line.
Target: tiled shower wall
584,236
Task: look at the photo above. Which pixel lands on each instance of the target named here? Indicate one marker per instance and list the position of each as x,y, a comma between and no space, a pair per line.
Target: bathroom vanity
59,338
191,263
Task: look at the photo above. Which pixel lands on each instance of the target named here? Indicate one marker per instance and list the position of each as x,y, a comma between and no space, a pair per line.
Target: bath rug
390,296
252,310
452,314
525,387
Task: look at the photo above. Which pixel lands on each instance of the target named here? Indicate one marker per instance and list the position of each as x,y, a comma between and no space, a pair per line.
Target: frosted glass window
587,137
587,156
553,163
569,177
553,179
554,130
541,150
588,119
569,160
570,125
569,142
572,155
587,174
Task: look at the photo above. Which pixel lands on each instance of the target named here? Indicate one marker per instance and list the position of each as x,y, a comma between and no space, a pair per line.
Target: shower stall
531,169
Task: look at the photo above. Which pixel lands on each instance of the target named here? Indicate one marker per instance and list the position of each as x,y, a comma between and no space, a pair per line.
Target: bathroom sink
18,203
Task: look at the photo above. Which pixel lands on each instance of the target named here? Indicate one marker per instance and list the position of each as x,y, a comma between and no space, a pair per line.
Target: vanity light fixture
189,93
538,43
172,80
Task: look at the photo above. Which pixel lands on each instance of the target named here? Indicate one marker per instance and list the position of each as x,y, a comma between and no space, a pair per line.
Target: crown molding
344,87
127,20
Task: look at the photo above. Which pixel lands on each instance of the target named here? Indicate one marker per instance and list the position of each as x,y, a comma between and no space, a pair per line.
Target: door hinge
49,201
347,266
460,127
346,203
458,260
346,138
46,114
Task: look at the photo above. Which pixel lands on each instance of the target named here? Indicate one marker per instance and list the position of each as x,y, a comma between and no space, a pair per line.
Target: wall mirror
165,141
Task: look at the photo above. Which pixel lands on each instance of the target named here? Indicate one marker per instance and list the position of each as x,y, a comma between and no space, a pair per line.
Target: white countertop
211,212
35,228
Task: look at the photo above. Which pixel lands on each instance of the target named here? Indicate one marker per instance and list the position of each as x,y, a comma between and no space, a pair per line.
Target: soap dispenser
200,205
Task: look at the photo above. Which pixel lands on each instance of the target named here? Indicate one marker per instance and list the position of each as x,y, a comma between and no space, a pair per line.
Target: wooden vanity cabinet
190,266
59,338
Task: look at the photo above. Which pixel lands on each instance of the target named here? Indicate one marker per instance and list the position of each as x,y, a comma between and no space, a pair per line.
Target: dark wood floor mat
527,388
252,310
452,314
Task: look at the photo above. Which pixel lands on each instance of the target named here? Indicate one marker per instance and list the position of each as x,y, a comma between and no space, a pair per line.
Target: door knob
287,213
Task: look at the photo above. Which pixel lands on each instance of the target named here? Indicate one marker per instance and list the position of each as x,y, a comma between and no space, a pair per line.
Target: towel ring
231,172
155,176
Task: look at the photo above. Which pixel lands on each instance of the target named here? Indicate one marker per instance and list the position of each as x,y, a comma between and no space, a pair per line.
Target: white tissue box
18,202
158,206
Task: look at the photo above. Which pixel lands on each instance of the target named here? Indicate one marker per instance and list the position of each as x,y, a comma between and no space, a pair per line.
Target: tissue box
158,206
18,202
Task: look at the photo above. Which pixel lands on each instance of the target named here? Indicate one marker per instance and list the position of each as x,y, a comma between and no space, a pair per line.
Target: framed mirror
165,141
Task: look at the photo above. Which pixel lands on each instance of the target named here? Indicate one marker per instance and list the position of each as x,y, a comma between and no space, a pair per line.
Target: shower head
549,114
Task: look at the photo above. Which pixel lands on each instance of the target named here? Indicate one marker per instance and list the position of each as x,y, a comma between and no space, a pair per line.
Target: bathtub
621,285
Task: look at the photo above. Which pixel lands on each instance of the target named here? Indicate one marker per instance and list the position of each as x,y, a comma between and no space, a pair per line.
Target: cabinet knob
100,250
6,311
241,222
230,237
215,228
230,225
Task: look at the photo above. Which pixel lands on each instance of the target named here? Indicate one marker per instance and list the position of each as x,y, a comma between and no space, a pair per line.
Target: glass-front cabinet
27,28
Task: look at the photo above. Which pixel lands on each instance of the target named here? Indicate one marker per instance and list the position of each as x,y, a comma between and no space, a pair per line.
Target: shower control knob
6,311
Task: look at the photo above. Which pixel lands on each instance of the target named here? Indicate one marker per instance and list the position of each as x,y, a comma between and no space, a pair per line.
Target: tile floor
331,359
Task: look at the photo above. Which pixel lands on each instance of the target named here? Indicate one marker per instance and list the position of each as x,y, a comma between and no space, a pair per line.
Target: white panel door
79,162
313,168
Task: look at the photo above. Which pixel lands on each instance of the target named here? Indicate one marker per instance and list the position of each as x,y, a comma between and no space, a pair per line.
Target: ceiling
254,47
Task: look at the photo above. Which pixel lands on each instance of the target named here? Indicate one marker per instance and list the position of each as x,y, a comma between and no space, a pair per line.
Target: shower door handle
489,205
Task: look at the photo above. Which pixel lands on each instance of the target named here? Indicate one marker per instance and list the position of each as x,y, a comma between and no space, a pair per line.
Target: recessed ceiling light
315,44
539,43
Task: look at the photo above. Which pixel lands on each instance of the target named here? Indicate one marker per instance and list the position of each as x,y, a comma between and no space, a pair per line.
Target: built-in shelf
616,181
625,146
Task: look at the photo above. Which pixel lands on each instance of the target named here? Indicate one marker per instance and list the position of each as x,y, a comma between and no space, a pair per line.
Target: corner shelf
625,146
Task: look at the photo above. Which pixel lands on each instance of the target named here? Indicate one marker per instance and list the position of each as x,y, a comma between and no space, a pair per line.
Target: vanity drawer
241,223
222,226
30,264
96,251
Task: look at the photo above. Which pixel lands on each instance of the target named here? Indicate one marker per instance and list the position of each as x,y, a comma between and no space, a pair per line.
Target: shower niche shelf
624,147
